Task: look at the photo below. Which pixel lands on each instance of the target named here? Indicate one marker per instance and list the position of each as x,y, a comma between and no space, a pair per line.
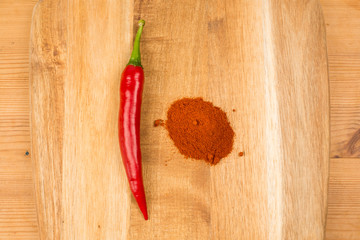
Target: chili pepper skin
131,87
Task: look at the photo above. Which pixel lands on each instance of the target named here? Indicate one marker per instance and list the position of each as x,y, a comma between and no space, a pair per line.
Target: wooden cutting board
266,59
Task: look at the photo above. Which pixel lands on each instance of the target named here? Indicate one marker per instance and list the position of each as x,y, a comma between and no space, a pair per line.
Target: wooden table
17,206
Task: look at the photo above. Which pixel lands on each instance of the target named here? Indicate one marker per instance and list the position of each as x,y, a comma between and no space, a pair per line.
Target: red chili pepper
131,87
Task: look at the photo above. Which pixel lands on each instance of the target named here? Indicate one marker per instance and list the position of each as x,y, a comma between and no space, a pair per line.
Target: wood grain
77,51
344,200
17,202
342,19
343,28
17,210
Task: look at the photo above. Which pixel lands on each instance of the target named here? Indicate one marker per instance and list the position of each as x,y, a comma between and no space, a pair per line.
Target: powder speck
241,154
159,122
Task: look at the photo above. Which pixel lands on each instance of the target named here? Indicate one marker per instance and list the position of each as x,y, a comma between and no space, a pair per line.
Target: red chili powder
200,130
159,122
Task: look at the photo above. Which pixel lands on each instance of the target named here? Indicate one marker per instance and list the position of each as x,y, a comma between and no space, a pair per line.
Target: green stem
135,55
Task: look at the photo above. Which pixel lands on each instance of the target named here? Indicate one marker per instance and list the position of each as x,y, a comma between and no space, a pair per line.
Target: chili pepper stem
135,55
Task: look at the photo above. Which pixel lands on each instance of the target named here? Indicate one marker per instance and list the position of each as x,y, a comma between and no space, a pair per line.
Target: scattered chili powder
241,154
200,130
159,122
234,110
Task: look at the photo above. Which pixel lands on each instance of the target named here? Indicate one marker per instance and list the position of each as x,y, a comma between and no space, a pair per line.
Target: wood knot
353,146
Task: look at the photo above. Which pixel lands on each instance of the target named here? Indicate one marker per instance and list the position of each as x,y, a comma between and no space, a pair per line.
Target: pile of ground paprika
199,129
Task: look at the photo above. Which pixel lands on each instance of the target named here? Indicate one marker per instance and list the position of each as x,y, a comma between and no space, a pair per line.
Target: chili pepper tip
142,22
